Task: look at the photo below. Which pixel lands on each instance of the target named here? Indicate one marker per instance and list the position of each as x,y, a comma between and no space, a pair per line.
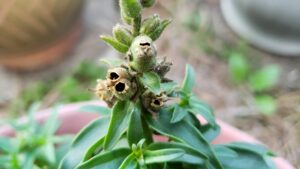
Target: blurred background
246,54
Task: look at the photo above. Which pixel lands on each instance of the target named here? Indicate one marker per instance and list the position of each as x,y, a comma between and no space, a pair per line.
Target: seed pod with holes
143,54
104,92
116,74
122,34
124,89
153,102
150,24
147,3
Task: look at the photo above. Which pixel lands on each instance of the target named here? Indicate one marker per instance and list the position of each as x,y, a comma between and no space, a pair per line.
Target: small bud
131,8
143,54
125,18
147,3
116,74
124,89
153,102
150,24
123,35
157,32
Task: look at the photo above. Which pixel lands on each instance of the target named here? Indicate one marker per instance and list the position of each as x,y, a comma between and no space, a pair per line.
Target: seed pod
104,92
124,89
153,102
143,54
147,3
116,74
131,8
150,24
122,34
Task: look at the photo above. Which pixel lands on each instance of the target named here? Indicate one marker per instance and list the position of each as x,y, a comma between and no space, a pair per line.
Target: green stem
137,26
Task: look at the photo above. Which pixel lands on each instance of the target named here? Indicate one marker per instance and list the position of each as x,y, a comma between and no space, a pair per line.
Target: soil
232,103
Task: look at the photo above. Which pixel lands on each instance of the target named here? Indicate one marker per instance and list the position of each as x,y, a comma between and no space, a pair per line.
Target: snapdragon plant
146,107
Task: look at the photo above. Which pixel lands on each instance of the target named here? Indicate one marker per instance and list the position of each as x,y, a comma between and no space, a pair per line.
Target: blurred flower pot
72,120
273,25
37,33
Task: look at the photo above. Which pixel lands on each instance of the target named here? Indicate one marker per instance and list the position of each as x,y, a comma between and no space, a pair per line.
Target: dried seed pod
104,92
143,54
123,35
116,74
163,67
147,3
150,24
153,102
124,89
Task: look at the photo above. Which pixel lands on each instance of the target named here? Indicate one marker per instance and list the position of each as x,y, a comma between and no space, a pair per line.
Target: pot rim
72,113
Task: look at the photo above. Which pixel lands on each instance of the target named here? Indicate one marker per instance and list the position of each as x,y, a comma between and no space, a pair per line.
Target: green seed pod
143,54
116,74
124,89
122,34
130,8
147,3
150,24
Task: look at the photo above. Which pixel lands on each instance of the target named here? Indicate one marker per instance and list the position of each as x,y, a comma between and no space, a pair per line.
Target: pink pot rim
72,120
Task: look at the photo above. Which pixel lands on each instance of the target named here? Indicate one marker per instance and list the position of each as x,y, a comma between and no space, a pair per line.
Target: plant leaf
129,163
238,67
183,132
191,156
135,128
108,160
159,30
88,136
189,80
96,109
162,155
152,81
115,44
7,145
178,114
118,123
266,104
265,78
223,151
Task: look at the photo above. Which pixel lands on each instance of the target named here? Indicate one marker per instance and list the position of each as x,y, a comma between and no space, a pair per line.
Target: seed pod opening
124,89
153,102
114,75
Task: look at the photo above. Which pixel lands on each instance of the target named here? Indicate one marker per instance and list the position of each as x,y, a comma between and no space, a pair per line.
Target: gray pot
273,25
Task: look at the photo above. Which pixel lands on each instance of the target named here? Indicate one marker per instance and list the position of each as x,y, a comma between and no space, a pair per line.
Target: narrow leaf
129,163
135,128
118,123
152,81
159,30
96,109
163,155
189,79
115,44
178,114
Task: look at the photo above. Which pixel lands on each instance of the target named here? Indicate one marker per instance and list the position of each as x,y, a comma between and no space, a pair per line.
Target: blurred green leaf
129,163
179,113
152,81
265,78
162,155
266,104
96,109
238,67
189,79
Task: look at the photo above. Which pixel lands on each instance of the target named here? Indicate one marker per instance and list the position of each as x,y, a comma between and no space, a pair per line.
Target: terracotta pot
72,120
37,33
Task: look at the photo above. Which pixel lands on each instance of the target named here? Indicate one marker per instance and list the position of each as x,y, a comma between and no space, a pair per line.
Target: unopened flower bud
123,35
150,24
116,74
143,54
131,8
124,89
147,3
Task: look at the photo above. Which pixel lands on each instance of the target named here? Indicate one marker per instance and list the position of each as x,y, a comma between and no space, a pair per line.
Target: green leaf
189,79
108,160
178,114
199,107
52,124
152,81
210,132
7,145
223,151
88,136
162,156
266,104
183,132
129,163
115,44
96,109
259,149
168,87
191,156
159,30
135,128
265,78
118,123
238,67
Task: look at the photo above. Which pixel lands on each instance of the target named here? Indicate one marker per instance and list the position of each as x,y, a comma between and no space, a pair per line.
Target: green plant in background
137,91
72,88
34,145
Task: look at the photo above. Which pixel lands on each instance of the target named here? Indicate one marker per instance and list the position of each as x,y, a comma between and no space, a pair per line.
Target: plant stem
137,25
